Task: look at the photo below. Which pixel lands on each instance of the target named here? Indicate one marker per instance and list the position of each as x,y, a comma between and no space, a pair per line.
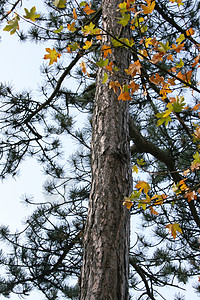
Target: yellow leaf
143,186
180,39
88,44
53,55
173,229
135,169
128,203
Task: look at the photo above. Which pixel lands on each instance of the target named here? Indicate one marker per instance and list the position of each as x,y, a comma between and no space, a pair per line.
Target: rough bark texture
106,257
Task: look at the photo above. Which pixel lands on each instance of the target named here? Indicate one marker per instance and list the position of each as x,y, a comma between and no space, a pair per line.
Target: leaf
88,44
164,47
124,20
178,104
102,63
114,85
180,39
153,211
133,86
89,29
141,162
106,50
31,15
190,32
83,66
180,64
71,27
105,78
128,203
87,9
149,8
190,196
173,229
135,169
178,48
60,3
110,66
196,157
142,204
143,186
59,30
133,69
53,55
73,47
123,7
124,96
13,25
74,13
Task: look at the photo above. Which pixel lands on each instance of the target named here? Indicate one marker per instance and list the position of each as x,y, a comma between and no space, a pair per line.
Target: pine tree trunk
106,258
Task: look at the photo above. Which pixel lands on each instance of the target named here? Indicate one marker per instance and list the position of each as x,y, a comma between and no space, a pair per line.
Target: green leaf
83,3
124,20
13,25
163,47
105,78
59,30
179,104
180,64
102,63
60,3
31,15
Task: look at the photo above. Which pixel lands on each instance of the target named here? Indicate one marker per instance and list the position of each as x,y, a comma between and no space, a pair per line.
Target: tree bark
105,267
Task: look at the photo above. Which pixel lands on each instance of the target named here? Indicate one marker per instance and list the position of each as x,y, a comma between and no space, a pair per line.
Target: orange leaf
74,14
83,67
109,67
71,27
133,69
128,203
133,86
178,48
106,50
124,96
157,57
153,211
113,85
142,185
149,8
191,196
88,9
173,228
53,55
190,32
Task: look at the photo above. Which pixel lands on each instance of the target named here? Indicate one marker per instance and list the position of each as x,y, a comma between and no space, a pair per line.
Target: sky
20,66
